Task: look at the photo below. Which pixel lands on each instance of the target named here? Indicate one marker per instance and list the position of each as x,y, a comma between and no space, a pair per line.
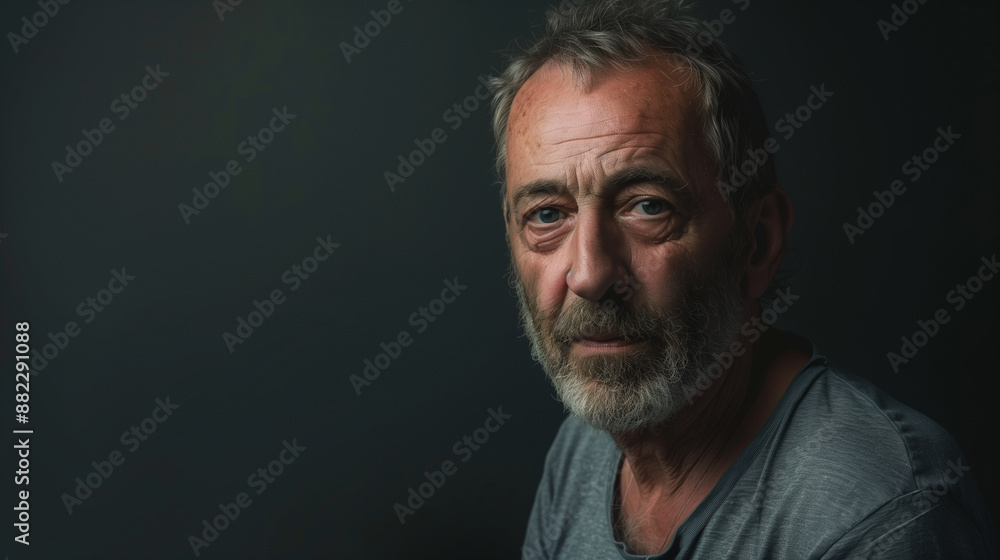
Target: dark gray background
324,176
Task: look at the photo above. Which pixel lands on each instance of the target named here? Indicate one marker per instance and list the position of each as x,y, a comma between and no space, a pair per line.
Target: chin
623,405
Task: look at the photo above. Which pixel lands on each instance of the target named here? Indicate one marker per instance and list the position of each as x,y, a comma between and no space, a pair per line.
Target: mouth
604,342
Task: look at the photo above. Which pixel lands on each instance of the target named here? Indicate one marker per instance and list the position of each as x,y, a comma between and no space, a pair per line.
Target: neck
674,454
670,468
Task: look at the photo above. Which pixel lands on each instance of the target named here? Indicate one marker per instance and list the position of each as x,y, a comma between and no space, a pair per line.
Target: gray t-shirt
840,470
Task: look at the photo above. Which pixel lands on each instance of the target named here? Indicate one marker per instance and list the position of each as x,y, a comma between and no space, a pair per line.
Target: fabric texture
839,470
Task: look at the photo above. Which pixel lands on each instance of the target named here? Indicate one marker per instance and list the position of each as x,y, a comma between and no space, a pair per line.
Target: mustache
584,318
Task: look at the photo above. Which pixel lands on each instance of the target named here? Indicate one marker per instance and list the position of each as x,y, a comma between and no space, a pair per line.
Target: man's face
628,277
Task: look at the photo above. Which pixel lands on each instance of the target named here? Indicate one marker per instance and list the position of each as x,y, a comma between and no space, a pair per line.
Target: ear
769,219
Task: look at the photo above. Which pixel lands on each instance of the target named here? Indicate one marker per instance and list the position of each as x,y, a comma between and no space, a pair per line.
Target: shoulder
876,436
925,524
867,463
572,496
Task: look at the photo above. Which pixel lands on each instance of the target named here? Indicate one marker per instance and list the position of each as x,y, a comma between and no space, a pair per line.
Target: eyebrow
618,181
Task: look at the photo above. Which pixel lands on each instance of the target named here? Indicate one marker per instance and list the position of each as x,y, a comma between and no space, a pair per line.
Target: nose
597,261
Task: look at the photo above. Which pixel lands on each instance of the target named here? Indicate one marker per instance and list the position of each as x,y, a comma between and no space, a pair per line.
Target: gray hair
619,34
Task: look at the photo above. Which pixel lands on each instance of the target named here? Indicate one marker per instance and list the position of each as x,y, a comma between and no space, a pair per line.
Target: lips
606,340
604,343
602,337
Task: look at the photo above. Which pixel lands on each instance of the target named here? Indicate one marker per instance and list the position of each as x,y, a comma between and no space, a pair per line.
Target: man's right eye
546,215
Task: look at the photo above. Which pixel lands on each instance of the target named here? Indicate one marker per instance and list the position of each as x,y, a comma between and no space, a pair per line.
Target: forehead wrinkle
595,168
639,118
652,138
625,121
610,136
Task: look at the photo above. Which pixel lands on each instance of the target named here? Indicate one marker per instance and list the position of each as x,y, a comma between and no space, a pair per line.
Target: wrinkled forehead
558,105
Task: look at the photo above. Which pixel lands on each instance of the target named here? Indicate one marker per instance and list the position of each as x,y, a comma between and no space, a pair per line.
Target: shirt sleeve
549,520
922,525
540,534
534,547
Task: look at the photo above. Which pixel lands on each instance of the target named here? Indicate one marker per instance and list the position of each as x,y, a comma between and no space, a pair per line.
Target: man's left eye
547,215
651,207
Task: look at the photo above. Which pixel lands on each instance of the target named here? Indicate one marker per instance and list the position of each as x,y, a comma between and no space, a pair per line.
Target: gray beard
625,391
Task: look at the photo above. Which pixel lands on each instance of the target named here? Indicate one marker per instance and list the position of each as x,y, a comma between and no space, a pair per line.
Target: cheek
544,280
659,277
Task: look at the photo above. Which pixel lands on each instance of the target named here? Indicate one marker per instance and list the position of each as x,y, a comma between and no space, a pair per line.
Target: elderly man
696,431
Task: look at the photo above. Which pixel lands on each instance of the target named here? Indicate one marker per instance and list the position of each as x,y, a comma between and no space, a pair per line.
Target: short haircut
601,35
